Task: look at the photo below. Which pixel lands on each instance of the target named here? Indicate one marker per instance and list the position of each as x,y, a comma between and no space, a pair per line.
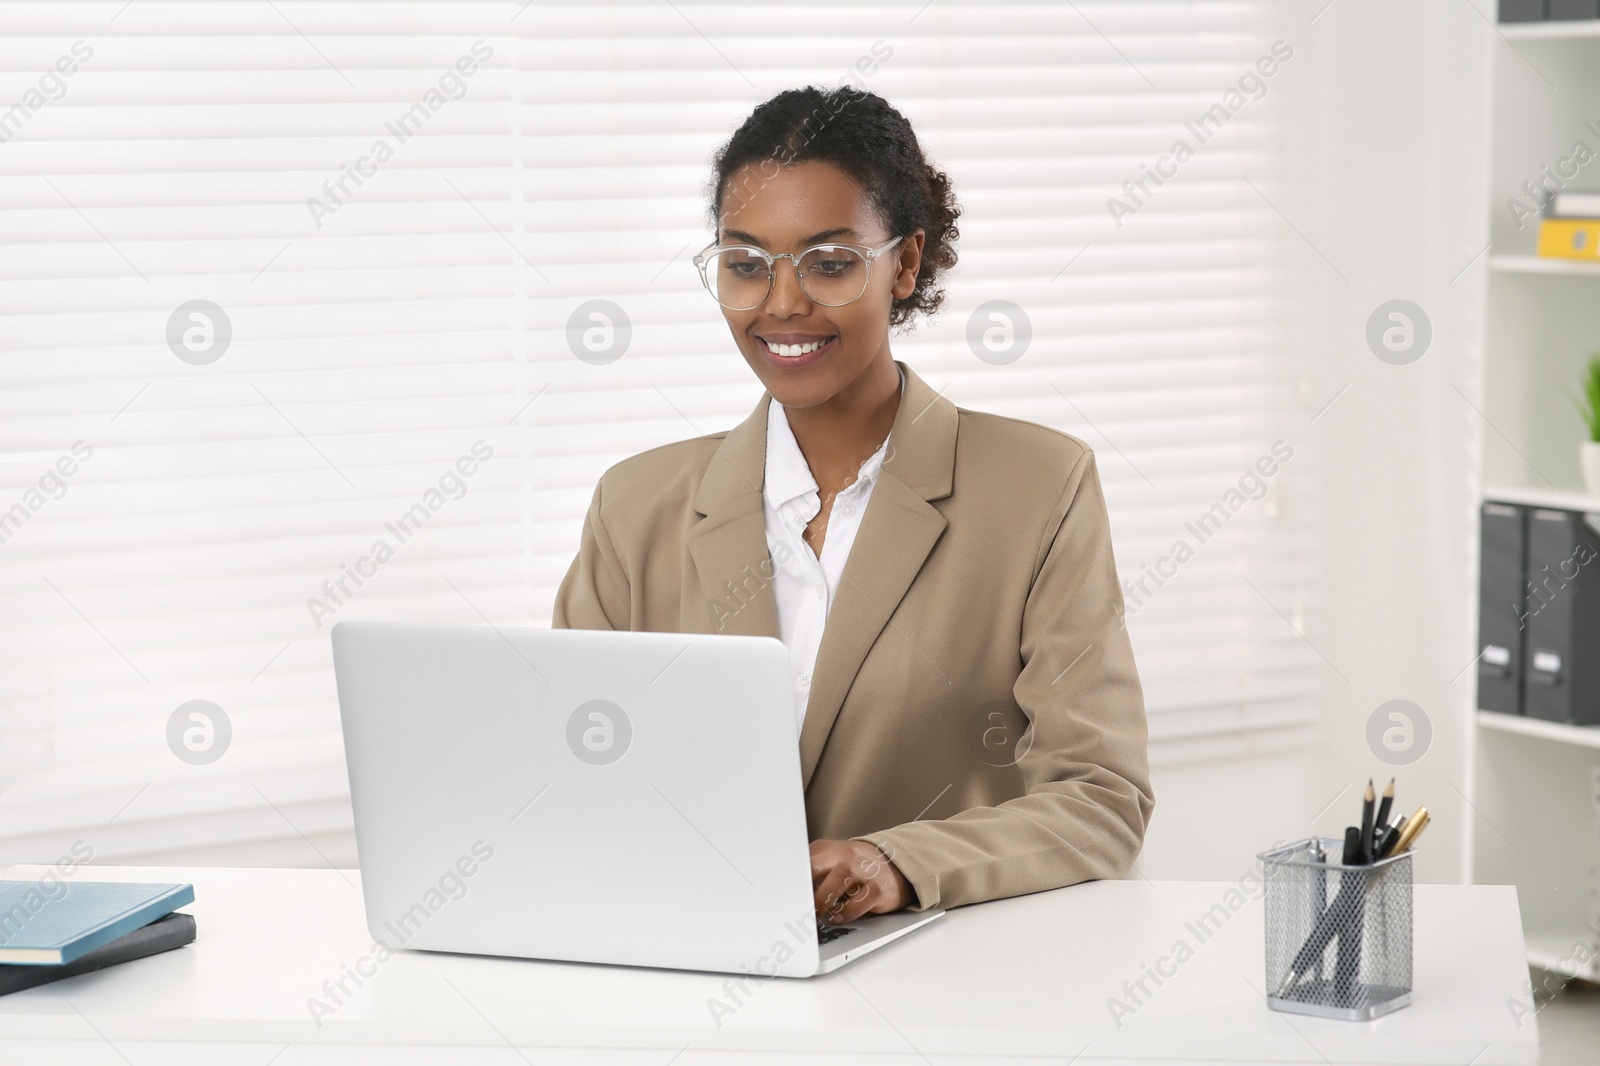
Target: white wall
1395,195
1387,116
1212,818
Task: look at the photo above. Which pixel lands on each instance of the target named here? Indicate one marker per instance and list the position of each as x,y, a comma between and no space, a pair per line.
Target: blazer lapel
898,530
729,545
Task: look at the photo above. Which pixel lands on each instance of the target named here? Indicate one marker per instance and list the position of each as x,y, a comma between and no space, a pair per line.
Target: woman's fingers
851,878
830,895
843,895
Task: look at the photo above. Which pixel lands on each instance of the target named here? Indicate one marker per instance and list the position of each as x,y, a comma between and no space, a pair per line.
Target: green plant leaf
1589,407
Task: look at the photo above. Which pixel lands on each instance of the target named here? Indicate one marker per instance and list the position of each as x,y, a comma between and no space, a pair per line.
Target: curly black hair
859,132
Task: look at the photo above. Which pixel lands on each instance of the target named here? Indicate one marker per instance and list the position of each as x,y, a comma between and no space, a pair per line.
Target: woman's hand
852,878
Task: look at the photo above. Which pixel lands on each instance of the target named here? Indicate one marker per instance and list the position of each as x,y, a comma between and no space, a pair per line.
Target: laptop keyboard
827,932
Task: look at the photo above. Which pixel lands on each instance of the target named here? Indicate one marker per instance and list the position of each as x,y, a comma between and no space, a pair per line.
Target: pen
1414,827
1311,951
1319,888
1352,846
1347,905
1387,836
1347,959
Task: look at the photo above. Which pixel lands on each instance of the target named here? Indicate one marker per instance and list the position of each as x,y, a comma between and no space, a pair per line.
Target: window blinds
288,289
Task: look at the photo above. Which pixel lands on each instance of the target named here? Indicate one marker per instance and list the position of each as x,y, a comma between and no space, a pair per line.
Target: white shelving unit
1533,785
1533,264
1545,31
1536,788
1536,829
1583,736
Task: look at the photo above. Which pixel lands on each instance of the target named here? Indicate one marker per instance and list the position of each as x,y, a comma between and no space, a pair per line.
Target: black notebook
163,934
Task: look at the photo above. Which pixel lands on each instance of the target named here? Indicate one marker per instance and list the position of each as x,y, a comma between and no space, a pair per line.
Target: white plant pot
1589,459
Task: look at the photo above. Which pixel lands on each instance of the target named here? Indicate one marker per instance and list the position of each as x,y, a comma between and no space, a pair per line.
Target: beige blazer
974,710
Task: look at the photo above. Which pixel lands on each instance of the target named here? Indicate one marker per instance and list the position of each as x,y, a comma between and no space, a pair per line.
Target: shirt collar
788,476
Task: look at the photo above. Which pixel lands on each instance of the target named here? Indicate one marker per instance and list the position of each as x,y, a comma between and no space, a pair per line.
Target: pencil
1383,813
1366,824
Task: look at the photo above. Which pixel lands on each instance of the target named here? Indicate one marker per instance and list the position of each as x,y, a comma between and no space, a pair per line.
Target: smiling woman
972,724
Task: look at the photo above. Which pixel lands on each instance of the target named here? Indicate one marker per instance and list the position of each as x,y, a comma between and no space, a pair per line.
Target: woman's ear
908,262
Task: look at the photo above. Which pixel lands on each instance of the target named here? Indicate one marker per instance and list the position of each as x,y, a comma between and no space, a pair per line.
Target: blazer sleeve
594,593
1084,754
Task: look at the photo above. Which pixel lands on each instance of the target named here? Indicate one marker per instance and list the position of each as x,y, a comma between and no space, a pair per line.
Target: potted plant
1589,407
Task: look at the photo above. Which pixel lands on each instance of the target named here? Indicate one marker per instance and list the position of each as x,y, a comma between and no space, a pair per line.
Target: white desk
1027,979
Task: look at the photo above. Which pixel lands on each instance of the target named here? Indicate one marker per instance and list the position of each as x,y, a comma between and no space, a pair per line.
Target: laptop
593,796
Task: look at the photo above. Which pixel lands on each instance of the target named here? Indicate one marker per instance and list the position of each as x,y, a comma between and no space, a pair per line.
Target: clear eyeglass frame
869,253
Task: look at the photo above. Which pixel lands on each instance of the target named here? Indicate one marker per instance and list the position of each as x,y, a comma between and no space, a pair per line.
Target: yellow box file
1570,238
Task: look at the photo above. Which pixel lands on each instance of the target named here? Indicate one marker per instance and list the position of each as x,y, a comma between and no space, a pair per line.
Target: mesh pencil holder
1338,937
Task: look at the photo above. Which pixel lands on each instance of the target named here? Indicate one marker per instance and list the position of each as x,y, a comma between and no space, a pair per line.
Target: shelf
1538,264
1550,30
1556,952
1561,499
1582,736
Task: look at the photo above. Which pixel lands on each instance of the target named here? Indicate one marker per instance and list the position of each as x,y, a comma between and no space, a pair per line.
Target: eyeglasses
739,276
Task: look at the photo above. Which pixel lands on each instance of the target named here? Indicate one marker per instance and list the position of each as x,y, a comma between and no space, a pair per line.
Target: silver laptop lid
606,797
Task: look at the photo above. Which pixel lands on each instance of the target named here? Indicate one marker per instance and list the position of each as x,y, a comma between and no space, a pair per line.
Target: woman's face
805,204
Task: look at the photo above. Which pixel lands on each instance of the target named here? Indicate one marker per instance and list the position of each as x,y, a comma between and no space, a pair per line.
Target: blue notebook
50,924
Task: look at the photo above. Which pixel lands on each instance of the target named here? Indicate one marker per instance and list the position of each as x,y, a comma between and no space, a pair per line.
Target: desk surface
1037,977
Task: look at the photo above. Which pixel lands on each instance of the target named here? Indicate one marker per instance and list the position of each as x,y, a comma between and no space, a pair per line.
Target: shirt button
821,592
805,679
848,511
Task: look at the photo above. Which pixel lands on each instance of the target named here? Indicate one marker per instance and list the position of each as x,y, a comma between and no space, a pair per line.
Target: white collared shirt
803,584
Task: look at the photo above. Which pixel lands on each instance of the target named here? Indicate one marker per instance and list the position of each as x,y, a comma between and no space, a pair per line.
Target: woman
971,721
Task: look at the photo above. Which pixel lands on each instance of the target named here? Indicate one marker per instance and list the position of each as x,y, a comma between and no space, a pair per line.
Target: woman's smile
790,351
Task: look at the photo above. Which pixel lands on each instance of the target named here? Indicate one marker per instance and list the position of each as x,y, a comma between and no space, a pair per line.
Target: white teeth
791,351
